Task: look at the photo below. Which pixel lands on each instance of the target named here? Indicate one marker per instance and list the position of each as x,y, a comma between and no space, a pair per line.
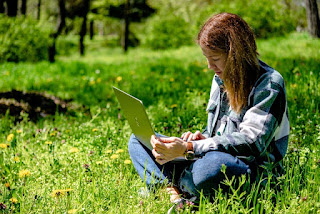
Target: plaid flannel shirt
260,132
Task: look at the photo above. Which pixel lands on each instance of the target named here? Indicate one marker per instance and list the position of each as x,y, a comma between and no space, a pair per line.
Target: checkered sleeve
257,129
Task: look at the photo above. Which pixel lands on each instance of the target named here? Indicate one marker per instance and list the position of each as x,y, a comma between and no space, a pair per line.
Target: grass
87,153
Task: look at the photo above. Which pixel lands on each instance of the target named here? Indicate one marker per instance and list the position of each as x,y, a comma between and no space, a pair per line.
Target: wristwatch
189,153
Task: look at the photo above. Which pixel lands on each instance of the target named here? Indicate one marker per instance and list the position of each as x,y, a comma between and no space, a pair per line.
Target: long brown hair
230,34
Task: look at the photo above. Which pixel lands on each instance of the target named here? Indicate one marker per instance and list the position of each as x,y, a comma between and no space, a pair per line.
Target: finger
157,155
182,135
196,135
186,136
167,139
190,137
161,161
160,150
152,140
156,143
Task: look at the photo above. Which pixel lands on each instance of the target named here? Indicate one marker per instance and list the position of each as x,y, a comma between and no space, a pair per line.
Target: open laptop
137,117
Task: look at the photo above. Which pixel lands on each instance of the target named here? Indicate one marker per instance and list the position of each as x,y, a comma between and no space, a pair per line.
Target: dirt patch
36,105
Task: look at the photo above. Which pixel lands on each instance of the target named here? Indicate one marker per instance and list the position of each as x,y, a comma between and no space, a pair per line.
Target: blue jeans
191,177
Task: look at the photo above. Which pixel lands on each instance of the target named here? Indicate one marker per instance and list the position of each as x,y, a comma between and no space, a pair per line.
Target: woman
247,127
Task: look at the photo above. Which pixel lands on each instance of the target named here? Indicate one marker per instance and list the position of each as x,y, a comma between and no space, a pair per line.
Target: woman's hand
167,149
188,136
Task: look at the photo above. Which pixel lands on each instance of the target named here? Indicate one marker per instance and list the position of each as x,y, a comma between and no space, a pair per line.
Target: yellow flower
48,142
294,85
99,80
19,131
67,190
16,159
13,200
53,133
119,151
119,78
186,82
95,129
99,162
205,70
171,79
24,173
74,150
7,185
72,211
3,145
10,137
174,106
92,82
127,162
115,156
57,193
109,151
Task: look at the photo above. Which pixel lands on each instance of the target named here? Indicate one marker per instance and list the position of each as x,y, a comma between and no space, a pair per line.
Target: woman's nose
211,65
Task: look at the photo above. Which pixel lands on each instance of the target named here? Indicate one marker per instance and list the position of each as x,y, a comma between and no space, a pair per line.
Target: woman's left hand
167,149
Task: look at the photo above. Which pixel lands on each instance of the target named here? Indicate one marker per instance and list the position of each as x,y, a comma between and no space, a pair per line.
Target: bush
266,17
23,39
168,32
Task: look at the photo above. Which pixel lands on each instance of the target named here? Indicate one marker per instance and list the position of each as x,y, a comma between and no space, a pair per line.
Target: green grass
174,85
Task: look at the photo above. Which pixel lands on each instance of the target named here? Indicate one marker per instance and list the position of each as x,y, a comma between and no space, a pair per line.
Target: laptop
137,117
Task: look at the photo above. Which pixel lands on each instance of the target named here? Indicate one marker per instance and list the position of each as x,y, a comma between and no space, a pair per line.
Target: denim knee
205,174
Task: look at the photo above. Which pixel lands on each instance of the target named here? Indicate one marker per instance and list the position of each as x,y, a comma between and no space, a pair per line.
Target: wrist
189,152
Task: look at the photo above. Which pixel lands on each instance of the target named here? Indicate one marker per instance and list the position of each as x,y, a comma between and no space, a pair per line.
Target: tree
79,8
83,30
23,8
313,18
2,9
38,9
60,26
12,7
130,11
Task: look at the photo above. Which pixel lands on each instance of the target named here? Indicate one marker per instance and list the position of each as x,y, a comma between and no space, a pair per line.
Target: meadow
79,163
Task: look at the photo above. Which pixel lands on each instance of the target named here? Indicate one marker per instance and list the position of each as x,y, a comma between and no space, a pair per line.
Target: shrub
23,39
266,17
168,32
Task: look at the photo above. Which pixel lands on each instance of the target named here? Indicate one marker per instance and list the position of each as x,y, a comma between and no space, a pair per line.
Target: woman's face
216,60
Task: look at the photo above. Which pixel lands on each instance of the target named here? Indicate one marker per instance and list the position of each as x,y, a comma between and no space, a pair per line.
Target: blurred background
36,30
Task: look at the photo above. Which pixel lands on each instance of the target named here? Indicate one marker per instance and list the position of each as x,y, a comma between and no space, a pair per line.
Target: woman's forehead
209,52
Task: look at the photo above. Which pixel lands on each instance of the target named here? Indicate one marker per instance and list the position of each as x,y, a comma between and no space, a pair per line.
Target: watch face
189,155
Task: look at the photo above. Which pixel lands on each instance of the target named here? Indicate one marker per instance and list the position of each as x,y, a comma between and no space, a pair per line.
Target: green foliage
168,32
266,17
23,39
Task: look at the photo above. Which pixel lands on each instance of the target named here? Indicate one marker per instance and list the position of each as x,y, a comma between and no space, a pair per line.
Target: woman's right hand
188,136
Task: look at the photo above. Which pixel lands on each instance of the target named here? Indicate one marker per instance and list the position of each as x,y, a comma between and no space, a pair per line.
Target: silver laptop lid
136,115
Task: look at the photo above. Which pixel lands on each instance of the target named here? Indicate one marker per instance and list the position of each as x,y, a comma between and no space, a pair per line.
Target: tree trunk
91,29
2,9
83,30
313,18
125,35
39,9
23,8
12,8
60,25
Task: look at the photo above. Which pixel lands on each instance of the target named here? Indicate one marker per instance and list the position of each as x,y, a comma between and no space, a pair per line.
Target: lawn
78,162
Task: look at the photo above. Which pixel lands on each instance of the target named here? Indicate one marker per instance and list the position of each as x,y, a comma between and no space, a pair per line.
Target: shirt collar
218,80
